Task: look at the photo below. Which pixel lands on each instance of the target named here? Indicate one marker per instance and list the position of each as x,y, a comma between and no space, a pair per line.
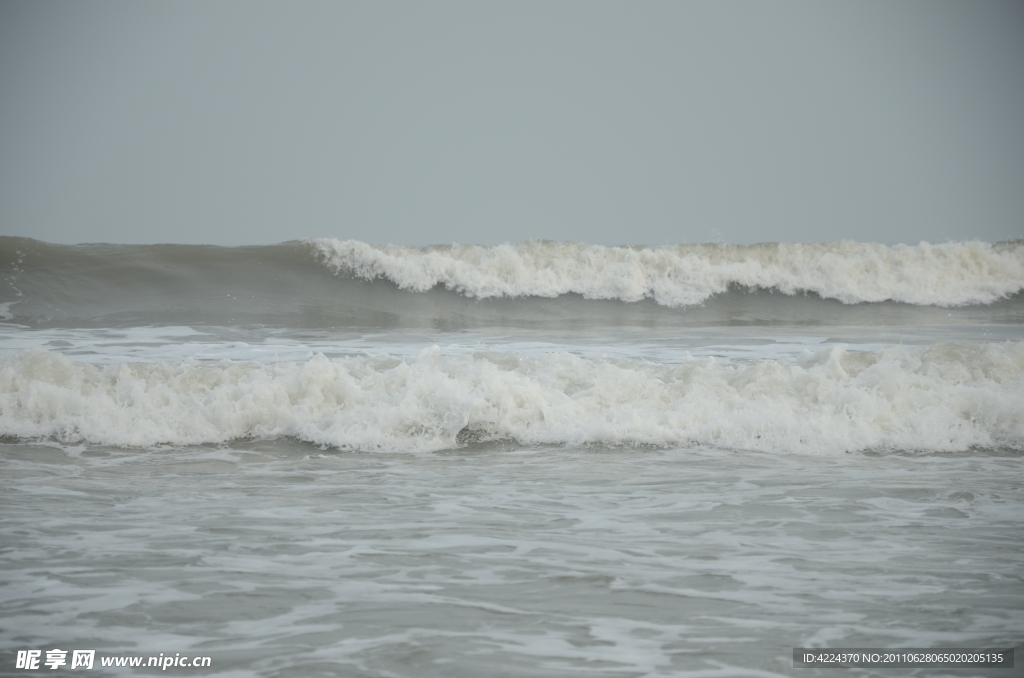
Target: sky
417,123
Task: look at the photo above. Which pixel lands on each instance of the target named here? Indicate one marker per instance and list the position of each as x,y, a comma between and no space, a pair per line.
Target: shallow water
279,558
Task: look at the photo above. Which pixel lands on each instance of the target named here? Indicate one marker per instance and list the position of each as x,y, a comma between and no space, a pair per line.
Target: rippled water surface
282,559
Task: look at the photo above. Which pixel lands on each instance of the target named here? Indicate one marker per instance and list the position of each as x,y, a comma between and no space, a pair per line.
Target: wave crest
950,274
948,397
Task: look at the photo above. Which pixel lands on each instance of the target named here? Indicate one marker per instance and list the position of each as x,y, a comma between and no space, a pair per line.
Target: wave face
953,274
947,397
331,284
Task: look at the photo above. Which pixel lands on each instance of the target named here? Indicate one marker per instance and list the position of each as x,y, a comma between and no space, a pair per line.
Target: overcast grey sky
487,122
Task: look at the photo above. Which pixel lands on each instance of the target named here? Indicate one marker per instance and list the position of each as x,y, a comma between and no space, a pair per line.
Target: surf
947,397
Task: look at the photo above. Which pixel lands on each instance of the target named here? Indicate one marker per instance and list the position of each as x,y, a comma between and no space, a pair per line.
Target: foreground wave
951,274
947,397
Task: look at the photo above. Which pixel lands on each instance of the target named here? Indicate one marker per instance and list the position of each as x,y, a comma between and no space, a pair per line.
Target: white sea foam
951,274
950,396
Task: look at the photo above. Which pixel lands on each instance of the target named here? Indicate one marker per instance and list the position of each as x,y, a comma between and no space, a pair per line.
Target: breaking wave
947,397
338,284
951,274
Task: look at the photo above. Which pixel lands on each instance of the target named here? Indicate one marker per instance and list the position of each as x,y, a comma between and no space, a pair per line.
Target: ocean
330,458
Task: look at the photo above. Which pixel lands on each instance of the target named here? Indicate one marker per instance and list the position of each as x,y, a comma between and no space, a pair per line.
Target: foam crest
949,396
951,274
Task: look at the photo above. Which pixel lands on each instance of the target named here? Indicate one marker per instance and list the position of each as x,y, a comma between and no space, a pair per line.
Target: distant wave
338,284
951,274
948,397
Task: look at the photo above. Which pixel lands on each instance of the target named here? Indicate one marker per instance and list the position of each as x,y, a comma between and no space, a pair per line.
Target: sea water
544,459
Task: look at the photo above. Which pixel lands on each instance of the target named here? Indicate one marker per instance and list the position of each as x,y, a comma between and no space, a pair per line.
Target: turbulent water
333,458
